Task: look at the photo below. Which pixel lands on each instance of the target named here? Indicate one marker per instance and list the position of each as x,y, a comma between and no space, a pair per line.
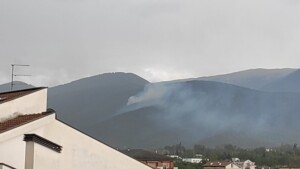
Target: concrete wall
12,146
12,152
45,158
192,160
29,104
3,166
78,150
248,164
232,166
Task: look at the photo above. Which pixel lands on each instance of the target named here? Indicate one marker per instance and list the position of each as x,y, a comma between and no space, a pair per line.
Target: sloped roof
216,164
7,96
42,141
143,155
21,120
7,166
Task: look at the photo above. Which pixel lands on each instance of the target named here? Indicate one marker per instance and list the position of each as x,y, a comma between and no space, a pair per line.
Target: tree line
283,155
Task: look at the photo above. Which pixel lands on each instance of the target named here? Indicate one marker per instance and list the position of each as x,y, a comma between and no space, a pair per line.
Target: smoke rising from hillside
208,108
151,93
186,106
179,111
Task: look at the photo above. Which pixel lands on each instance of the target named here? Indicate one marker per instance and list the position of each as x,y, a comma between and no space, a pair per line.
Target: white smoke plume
151,93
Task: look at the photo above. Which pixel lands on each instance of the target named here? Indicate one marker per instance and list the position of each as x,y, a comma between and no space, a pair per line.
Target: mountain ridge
232,107
94,97
125,110
252,78
18,85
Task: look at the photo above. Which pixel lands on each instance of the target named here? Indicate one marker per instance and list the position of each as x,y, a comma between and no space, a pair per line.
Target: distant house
220,165
153,160
175,156
192,160
31,137
235,160
247,164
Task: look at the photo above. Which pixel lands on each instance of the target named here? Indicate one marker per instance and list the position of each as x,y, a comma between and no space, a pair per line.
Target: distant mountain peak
18,85
113,77
252,78
289,83
96,96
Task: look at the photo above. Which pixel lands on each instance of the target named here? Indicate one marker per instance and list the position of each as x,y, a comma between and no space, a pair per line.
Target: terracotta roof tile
21,120
6,96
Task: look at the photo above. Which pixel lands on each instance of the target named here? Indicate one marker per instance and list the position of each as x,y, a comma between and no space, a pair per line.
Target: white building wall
232,166
29,104
12,146
192,160
45,158
12,152
4,167
248,164
78,150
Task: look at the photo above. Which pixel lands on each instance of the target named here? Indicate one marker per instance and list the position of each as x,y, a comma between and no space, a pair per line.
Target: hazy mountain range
17,85
251,108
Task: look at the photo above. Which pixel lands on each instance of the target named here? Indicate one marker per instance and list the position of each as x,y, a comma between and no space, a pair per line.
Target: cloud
157,75
160,40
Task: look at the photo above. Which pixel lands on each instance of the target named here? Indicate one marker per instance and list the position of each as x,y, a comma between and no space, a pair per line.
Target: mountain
206,112
289,83
17,86
257,79
91,100
126,111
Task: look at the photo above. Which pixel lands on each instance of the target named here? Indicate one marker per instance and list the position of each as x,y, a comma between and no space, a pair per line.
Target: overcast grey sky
64,40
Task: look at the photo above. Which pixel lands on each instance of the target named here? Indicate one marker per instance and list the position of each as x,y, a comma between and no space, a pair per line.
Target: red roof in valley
6,96
21,120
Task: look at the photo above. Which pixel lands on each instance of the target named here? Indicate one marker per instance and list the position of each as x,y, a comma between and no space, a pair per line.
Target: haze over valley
204,81
258,107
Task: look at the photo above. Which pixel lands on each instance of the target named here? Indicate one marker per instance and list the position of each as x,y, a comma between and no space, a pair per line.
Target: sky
65,40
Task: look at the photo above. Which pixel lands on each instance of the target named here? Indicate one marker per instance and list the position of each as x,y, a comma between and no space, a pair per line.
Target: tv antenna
13,74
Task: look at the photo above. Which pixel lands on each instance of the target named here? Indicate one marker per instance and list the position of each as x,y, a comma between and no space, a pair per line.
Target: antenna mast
13,75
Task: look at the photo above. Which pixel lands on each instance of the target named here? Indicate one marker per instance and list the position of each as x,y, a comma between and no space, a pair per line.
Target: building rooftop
7,96
20,120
